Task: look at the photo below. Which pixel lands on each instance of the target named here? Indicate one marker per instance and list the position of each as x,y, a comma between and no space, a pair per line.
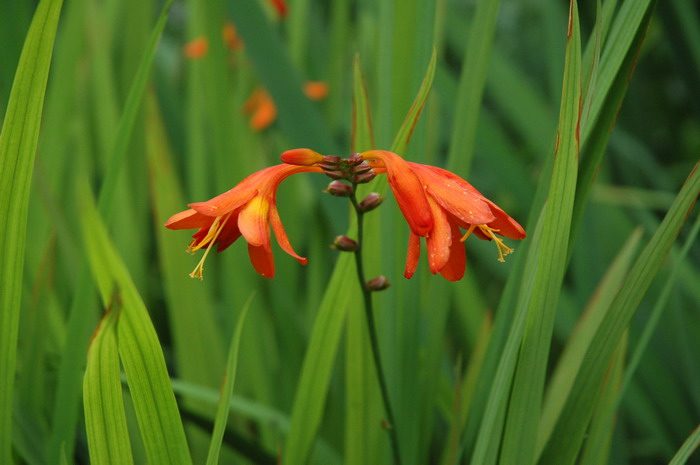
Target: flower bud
344,244
377,284
354,159
363,177
361,168
339,189
370,202
303,157
330,163
336,174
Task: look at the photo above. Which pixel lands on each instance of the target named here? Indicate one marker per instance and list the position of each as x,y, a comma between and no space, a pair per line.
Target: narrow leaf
540,296
105,418
687,449
471,86
140,352
403,136
565,442
18,141
227,388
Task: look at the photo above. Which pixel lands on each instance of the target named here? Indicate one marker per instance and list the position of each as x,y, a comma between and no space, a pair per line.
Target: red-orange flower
262,108
452,203
249,209
196,48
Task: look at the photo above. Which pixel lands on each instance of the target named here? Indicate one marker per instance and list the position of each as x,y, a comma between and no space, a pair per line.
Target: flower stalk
374,341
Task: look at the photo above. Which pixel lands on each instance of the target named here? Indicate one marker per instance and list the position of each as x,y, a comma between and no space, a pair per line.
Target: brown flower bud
355,159
339,189
370,202
344,244
336,174
377,284
361,168
330,163
363,177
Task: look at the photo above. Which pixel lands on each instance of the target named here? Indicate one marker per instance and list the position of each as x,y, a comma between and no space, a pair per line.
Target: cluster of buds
353,169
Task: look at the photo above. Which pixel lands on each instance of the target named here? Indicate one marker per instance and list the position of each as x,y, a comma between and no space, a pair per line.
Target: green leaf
362,401
569,362
565,442
140,352
319,360
227,388
64,415
362,130
403,136
18,142
687,449
540,294
471,86
105,419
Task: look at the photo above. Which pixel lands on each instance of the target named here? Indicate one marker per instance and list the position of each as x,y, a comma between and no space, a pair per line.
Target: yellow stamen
468,233
209,239
503,249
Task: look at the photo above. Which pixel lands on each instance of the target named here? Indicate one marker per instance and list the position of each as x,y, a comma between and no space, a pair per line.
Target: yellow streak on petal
209,239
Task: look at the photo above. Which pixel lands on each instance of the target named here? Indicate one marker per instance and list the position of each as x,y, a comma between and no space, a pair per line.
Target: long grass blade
687,448
227,388
105,418
471,86
139,349
540,295
18,142
565,442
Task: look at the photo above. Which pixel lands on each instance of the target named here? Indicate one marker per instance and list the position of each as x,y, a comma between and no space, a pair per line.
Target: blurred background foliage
198,132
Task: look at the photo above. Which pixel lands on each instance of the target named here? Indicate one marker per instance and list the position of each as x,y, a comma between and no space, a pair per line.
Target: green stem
369,313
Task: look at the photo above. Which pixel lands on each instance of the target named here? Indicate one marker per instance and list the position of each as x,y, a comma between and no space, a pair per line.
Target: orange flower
262,108
230,36
452,203
196,48
407,189
248,210
280,6
316,90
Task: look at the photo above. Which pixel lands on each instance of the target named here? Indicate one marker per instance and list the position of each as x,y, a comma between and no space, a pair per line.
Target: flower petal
229,233
412,256
407,189
457,264
454,194
505,225
232,199
252,222
189,219
262,260
281,235
440,238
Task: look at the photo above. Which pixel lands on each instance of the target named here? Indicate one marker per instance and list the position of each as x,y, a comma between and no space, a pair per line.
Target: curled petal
281,235
252,222
439,240
412,256
457,264
407,189
262,260
189,219
454,194
505,225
